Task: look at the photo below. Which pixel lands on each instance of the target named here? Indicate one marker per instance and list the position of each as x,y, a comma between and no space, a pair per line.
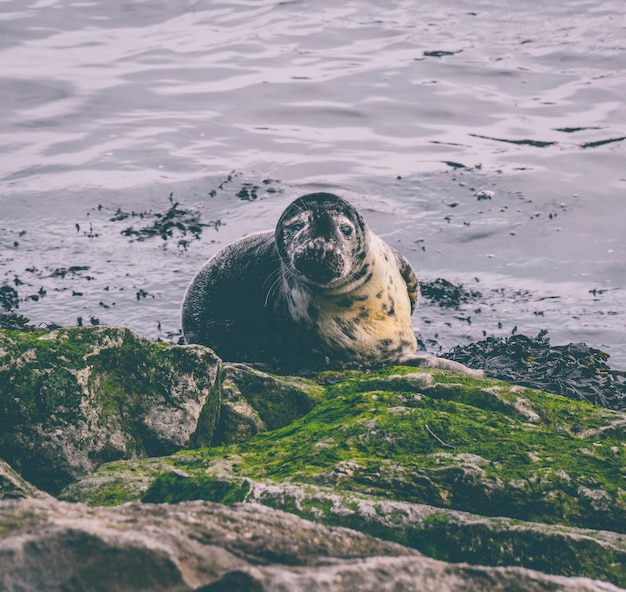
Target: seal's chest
367,324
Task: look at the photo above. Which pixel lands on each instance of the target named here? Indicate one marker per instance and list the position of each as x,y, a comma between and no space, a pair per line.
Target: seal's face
322,238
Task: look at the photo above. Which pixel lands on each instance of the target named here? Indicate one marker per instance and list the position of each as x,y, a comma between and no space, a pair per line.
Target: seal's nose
323,226
319,248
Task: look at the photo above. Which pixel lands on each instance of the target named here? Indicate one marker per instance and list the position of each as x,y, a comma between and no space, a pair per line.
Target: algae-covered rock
475,445
448,534
254,401
483,455
201,546
71,399
462,469
445,534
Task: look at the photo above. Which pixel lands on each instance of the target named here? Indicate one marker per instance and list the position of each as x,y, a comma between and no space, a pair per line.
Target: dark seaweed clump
9,298
15,322
575,370
447,294
175,220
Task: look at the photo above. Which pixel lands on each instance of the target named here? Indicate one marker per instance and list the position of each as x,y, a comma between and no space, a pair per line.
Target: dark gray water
484,139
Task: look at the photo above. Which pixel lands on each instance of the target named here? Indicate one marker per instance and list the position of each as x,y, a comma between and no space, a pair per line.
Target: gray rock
72,399
254,401
51,546
390,574
13,486
442,533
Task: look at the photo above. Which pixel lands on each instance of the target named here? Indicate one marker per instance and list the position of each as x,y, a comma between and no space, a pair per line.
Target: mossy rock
448,440
424,438
455,536
447,535
72,399
254,401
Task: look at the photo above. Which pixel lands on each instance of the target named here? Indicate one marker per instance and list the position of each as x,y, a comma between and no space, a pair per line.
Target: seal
321,289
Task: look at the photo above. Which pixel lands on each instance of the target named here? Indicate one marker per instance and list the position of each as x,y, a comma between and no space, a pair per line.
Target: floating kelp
574,370
248,192
175,220
72,271
9,298
178,221
446,294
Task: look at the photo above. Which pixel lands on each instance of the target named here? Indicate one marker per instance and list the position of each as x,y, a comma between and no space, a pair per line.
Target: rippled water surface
483,139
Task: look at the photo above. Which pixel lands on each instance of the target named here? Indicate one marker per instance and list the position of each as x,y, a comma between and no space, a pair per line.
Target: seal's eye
346,230
296,226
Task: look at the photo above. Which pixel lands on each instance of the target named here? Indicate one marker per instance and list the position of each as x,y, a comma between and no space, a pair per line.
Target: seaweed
9,298
15,322
576,370
446,294
248,192
175,219
74,270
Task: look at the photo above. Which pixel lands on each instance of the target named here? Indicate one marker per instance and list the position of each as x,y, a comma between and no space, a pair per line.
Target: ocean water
485,140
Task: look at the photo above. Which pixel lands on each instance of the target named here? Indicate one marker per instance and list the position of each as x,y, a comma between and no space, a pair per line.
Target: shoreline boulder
71,399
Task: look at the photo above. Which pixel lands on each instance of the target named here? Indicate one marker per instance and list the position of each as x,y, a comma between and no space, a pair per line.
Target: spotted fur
367,320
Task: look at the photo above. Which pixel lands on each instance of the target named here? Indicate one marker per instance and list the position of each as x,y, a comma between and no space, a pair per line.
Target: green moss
113,493
118,482
433,438
33,385
448,445
316,508
495,463
174,487
437,519
436,438
98,394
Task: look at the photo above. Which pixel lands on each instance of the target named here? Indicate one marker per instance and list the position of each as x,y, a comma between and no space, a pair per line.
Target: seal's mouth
319,262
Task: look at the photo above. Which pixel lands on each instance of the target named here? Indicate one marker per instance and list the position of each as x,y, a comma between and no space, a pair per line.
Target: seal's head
323,240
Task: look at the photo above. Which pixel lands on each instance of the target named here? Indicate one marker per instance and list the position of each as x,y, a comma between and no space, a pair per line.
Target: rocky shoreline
136,465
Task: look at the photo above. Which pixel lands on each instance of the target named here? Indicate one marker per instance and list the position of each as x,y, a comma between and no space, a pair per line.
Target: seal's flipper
426,361
412,285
